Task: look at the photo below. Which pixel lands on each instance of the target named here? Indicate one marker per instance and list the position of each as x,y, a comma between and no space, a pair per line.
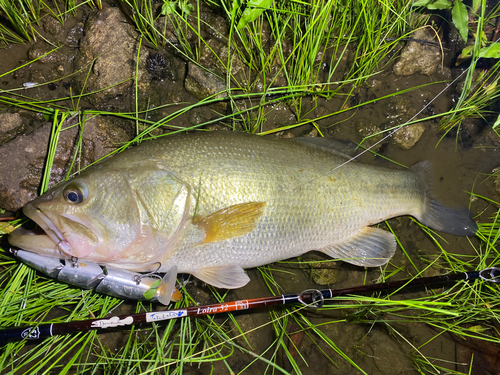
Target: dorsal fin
327,144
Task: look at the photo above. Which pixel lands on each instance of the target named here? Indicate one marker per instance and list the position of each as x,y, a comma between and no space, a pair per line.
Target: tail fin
436,216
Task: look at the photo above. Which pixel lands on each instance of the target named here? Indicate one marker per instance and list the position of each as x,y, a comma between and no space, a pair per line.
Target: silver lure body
112,282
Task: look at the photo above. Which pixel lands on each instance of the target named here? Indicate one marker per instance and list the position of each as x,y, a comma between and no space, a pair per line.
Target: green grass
24,16
480,86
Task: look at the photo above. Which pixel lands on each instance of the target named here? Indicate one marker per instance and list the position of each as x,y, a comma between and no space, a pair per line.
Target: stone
239,71
370,134
326,276
41,48
11,125
74,34
245,325
51,25
218,28
23,160
9,121
408,135
110,44
399,110
201,84
383,346
277,115
200,115
417,57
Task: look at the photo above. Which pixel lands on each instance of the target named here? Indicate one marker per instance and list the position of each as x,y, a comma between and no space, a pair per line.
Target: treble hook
138,278
74,262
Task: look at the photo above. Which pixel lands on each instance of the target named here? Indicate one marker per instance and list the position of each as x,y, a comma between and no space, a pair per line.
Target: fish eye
75,194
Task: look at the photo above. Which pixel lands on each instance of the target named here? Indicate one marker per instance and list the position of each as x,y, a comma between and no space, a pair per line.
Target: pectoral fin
230,222
227,277
371,247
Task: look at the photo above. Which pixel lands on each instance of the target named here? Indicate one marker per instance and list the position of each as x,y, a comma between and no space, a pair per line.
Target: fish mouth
51,242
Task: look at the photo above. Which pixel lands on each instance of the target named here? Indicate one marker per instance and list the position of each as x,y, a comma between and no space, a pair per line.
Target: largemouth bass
211,204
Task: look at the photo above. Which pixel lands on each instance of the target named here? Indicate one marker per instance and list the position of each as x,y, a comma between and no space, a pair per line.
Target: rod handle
25,333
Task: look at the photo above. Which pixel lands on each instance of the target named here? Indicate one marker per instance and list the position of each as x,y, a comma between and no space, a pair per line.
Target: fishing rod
309,298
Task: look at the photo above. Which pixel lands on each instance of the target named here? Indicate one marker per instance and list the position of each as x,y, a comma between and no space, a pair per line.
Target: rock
375,84
41,76
399,111
327,276
218,28
40,48
477,74
21,167
217,127
207,77
112,42
491,136
106,134
74,34
278,115
202,84
274,78
51,25
370,133
407,136
258,339
466,133
176,29
291,280
328,272
10,125
9,122
200,115
239,70
22,161
418,58
283,134
383,346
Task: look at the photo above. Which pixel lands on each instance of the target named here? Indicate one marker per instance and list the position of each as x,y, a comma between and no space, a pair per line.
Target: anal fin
227,277
372,247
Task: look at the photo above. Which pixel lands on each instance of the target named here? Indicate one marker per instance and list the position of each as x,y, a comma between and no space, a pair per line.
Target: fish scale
324,214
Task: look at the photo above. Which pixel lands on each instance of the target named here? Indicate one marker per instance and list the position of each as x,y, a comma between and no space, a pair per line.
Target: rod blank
310,297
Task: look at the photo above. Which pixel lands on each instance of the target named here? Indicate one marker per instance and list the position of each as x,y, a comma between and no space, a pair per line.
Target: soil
90,59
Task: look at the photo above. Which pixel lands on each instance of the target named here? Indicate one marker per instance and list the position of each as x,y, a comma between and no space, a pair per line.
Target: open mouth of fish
47,239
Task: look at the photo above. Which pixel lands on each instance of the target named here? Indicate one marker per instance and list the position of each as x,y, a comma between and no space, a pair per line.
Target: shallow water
458,166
